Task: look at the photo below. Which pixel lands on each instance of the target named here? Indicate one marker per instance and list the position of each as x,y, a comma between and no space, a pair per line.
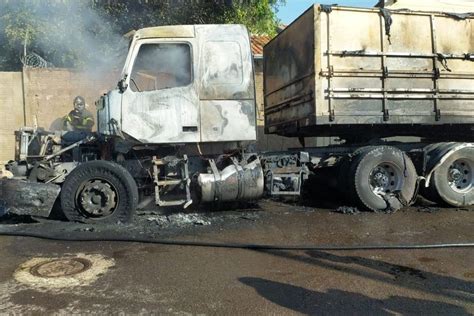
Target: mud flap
27,198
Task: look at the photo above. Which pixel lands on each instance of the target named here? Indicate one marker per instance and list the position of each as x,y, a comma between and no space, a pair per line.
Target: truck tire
99,192
382,178
344,168
435,152
453,182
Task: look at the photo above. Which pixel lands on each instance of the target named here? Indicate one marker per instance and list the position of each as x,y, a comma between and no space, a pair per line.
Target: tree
258,15
65,33
72,33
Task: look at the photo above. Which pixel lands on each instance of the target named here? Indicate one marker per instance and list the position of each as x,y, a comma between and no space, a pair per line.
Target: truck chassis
94,180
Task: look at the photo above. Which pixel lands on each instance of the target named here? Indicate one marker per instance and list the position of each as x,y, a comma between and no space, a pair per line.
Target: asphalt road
158,279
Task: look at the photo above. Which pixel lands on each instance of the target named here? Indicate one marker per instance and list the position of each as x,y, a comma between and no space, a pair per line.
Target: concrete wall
11,112
43,97
49,94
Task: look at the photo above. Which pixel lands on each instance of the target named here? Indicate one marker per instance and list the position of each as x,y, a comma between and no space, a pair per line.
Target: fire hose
232,245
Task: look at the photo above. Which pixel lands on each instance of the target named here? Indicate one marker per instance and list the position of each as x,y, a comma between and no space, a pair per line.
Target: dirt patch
60,272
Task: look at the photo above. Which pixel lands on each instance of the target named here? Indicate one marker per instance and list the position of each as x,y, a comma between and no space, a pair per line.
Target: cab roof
168,31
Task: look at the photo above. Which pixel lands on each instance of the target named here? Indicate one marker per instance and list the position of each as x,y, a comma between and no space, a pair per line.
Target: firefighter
79,119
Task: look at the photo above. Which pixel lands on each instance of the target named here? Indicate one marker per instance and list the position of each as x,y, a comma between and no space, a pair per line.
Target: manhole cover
60,267
69,270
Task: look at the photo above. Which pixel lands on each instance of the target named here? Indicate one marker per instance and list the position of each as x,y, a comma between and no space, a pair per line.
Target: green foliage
17,25
258,15
75,33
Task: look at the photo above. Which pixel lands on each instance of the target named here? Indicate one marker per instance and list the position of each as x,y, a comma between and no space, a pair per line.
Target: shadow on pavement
337,302
392,274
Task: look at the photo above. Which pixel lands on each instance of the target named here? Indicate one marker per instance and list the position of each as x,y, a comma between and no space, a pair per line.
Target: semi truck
179,129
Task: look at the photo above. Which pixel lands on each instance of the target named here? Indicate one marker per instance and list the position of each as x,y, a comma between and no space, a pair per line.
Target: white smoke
65,33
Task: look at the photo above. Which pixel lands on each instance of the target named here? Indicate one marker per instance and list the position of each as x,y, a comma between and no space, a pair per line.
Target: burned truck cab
184,84
175,131
185,112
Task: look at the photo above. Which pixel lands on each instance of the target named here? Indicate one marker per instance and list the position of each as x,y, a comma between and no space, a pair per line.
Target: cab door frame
169,115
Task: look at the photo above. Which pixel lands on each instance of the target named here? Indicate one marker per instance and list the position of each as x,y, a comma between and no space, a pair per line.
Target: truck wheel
99,192
343,183
382,178
453,182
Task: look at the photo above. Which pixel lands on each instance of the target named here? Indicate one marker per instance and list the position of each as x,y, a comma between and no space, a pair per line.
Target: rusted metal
27,198
86,140
177,178
420,78
62,267
98,198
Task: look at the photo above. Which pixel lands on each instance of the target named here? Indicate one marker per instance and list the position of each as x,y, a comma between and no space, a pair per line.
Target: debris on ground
179,220
428,209
250,217
86,229
4,173
352,210
159,220
465,209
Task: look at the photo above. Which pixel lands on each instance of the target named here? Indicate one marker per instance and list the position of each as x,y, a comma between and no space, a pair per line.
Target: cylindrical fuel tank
236,182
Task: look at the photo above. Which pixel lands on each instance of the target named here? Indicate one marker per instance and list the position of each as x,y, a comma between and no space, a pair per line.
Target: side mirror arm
122,84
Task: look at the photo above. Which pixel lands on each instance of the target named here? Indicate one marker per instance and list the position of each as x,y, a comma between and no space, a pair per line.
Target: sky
295,8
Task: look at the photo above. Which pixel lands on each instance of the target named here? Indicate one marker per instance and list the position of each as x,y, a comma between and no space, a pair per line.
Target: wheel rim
385,178
97,198
460,177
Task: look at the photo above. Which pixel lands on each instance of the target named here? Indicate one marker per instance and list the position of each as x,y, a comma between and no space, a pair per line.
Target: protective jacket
78,121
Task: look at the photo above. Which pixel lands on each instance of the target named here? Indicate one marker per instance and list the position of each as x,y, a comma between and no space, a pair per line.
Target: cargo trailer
361,74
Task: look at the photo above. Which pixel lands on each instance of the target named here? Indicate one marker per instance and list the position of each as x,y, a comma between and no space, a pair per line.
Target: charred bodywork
43,161
178,124
340,71
27,198
184,84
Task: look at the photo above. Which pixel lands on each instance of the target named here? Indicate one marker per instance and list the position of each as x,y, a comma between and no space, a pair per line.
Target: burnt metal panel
166,31
226,64
222,75
227,120
27,198
108,110
414,73
164,115
289,73
226,84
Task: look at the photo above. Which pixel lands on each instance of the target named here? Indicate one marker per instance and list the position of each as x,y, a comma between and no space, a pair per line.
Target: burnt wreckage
179,128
